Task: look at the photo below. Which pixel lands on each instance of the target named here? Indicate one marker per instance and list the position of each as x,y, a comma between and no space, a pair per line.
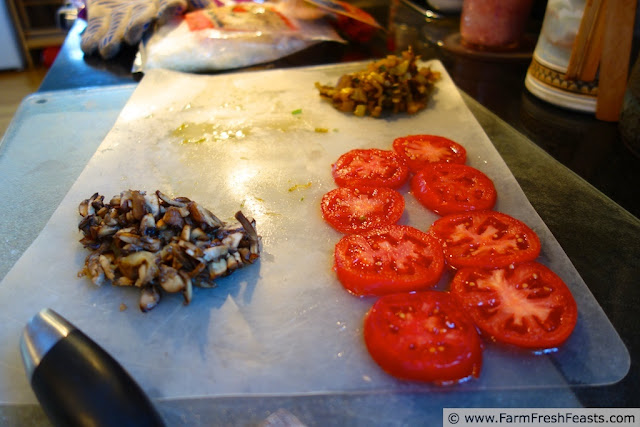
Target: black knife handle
79,384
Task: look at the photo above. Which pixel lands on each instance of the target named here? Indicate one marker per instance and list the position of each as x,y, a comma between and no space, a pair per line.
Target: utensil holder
581,59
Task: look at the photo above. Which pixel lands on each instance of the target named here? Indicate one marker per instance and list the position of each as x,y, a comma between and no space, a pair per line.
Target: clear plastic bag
232,36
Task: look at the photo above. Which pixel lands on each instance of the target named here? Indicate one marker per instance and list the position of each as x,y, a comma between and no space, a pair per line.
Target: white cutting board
284,325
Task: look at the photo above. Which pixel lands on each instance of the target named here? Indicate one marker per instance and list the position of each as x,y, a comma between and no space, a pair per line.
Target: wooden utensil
614,63
587,47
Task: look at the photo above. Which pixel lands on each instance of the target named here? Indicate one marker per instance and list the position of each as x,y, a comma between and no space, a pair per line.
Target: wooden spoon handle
616,52
587,47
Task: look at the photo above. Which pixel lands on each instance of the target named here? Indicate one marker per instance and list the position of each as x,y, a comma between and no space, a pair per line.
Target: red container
494,24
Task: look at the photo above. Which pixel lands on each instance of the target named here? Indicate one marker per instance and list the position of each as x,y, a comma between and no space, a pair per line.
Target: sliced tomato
423,336
370,168
359,209
485,239
421,150
394,258
448,188
526,305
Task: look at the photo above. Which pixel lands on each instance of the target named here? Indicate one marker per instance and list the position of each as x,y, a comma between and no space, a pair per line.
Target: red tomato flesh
527,306
359,209
447,188
394,258
423,336
485,239
421,150
370,168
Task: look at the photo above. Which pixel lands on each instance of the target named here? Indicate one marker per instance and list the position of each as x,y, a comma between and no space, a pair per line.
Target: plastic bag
232,36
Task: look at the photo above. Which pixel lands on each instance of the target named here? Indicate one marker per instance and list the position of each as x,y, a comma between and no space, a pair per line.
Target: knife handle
79,384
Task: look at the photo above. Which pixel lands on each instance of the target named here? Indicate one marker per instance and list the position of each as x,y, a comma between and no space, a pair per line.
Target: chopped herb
298,111
193,141
322,130
299,186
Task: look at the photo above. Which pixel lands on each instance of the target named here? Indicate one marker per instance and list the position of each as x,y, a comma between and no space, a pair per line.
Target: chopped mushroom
158,243
170,280
394,84
149,298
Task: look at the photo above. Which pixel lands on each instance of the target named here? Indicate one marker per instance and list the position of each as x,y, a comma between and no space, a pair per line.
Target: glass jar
494,24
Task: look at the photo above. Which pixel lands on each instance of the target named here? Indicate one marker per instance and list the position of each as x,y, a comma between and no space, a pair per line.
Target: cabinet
36,25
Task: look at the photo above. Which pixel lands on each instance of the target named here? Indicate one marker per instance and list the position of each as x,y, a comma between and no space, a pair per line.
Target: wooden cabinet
36,25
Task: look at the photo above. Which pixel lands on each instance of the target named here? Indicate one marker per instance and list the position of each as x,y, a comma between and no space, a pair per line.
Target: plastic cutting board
284,325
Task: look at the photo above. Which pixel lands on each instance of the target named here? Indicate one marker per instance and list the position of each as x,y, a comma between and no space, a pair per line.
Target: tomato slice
359,209
485,239
394,258
448,188
370,168
423,336
421,150
526,305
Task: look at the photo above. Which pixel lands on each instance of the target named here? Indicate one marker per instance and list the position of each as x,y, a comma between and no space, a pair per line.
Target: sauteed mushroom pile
157,244
395,84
